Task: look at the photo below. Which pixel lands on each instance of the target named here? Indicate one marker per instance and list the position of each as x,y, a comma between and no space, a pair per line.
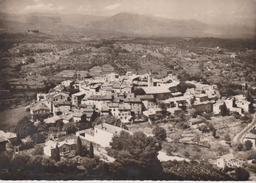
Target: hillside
122,24
148,25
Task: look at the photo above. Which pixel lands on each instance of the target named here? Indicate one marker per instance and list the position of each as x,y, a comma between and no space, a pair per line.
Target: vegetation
79,148
136,156
56,155
242,174
160,133
192,171
91,153
24,128
248,145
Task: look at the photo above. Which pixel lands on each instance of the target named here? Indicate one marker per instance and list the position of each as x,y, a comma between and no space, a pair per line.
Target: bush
204,129
236,115
238,147
69,128
88,163
248,145
227,137
242,174
160,133
38,150
186,154
182,125
27,144
251,154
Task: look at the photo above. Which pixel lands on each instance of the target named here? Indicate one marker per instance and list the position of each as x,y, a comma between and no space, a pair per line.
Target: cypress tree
91,154
224,110
79,149
57,155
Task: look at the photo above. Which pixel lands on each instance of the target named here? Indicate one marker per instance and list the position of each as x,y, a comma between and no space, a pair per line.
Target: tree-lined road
239,137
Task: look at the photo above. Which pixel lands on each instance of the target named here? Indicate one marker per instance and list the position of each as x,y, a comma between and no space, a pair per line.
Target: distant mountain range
122,24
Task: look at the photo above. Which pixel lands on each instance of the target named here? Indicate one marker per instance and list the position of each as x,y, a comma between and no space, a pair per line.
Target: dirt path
239,137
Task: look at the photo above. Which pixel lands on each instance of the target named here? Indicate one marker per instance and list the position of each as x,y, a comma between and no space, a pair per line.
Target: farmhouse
65,147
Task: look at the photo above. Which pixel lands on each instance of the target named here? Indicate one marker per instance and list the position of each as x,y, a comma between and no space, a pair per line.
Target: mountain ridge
125,24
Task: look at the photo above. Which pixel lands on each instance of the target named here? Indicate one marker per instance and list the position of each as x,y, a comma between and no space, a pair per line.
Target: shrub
70,128
227,137
251,154
186,154
160,133
27,144
38,150
204,129
242,174
248,145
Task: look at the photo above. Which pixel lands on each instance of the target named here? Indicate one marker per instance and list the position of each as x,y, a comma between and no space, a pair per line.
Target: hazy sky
209,11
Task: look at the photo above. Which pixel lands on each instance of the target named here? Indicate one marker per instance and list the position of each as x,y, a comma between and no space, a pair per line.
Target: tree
38,150
163,107
214,131
159,133
137,155
204,128
83,118
91,154
18,162
251,107
39,137
24,128
88,163
70,128
34,164
79,148
242,174
182,86
56,156
224,110
227,137
248,145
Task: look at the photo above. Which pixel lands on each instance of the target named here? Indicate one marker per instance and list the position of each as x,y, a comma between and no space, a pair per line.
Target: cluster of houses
116,95
129,98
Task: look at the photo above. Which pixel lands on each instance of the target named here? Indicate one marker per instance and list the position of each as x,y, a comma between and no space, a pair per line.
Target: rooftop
132,100
52,119
156,89
145,97
40,106
79,93
52,144
110,128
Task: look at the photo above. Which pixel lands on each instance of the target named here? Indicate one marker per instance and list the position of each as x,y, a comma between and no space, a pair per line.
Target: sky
208,11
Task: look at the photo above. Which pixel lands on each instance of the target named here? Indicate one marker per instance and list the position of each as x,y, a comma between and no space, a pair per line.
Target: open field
10,118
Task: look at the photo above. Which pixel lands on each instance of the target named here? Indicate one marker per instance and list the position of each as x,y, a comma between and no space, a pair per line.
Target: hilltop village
186,118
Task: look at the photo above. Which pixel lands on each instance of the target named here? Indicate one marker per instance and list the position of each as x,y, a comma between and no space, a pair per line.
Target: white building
102,134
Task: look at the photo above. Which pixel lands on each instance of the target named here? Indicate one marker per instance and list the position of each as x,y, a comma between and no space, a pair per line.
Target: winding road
239,137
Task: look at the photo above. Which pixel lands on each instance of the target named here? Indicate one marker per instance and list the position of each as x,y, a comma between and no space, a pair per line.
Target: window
64,150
